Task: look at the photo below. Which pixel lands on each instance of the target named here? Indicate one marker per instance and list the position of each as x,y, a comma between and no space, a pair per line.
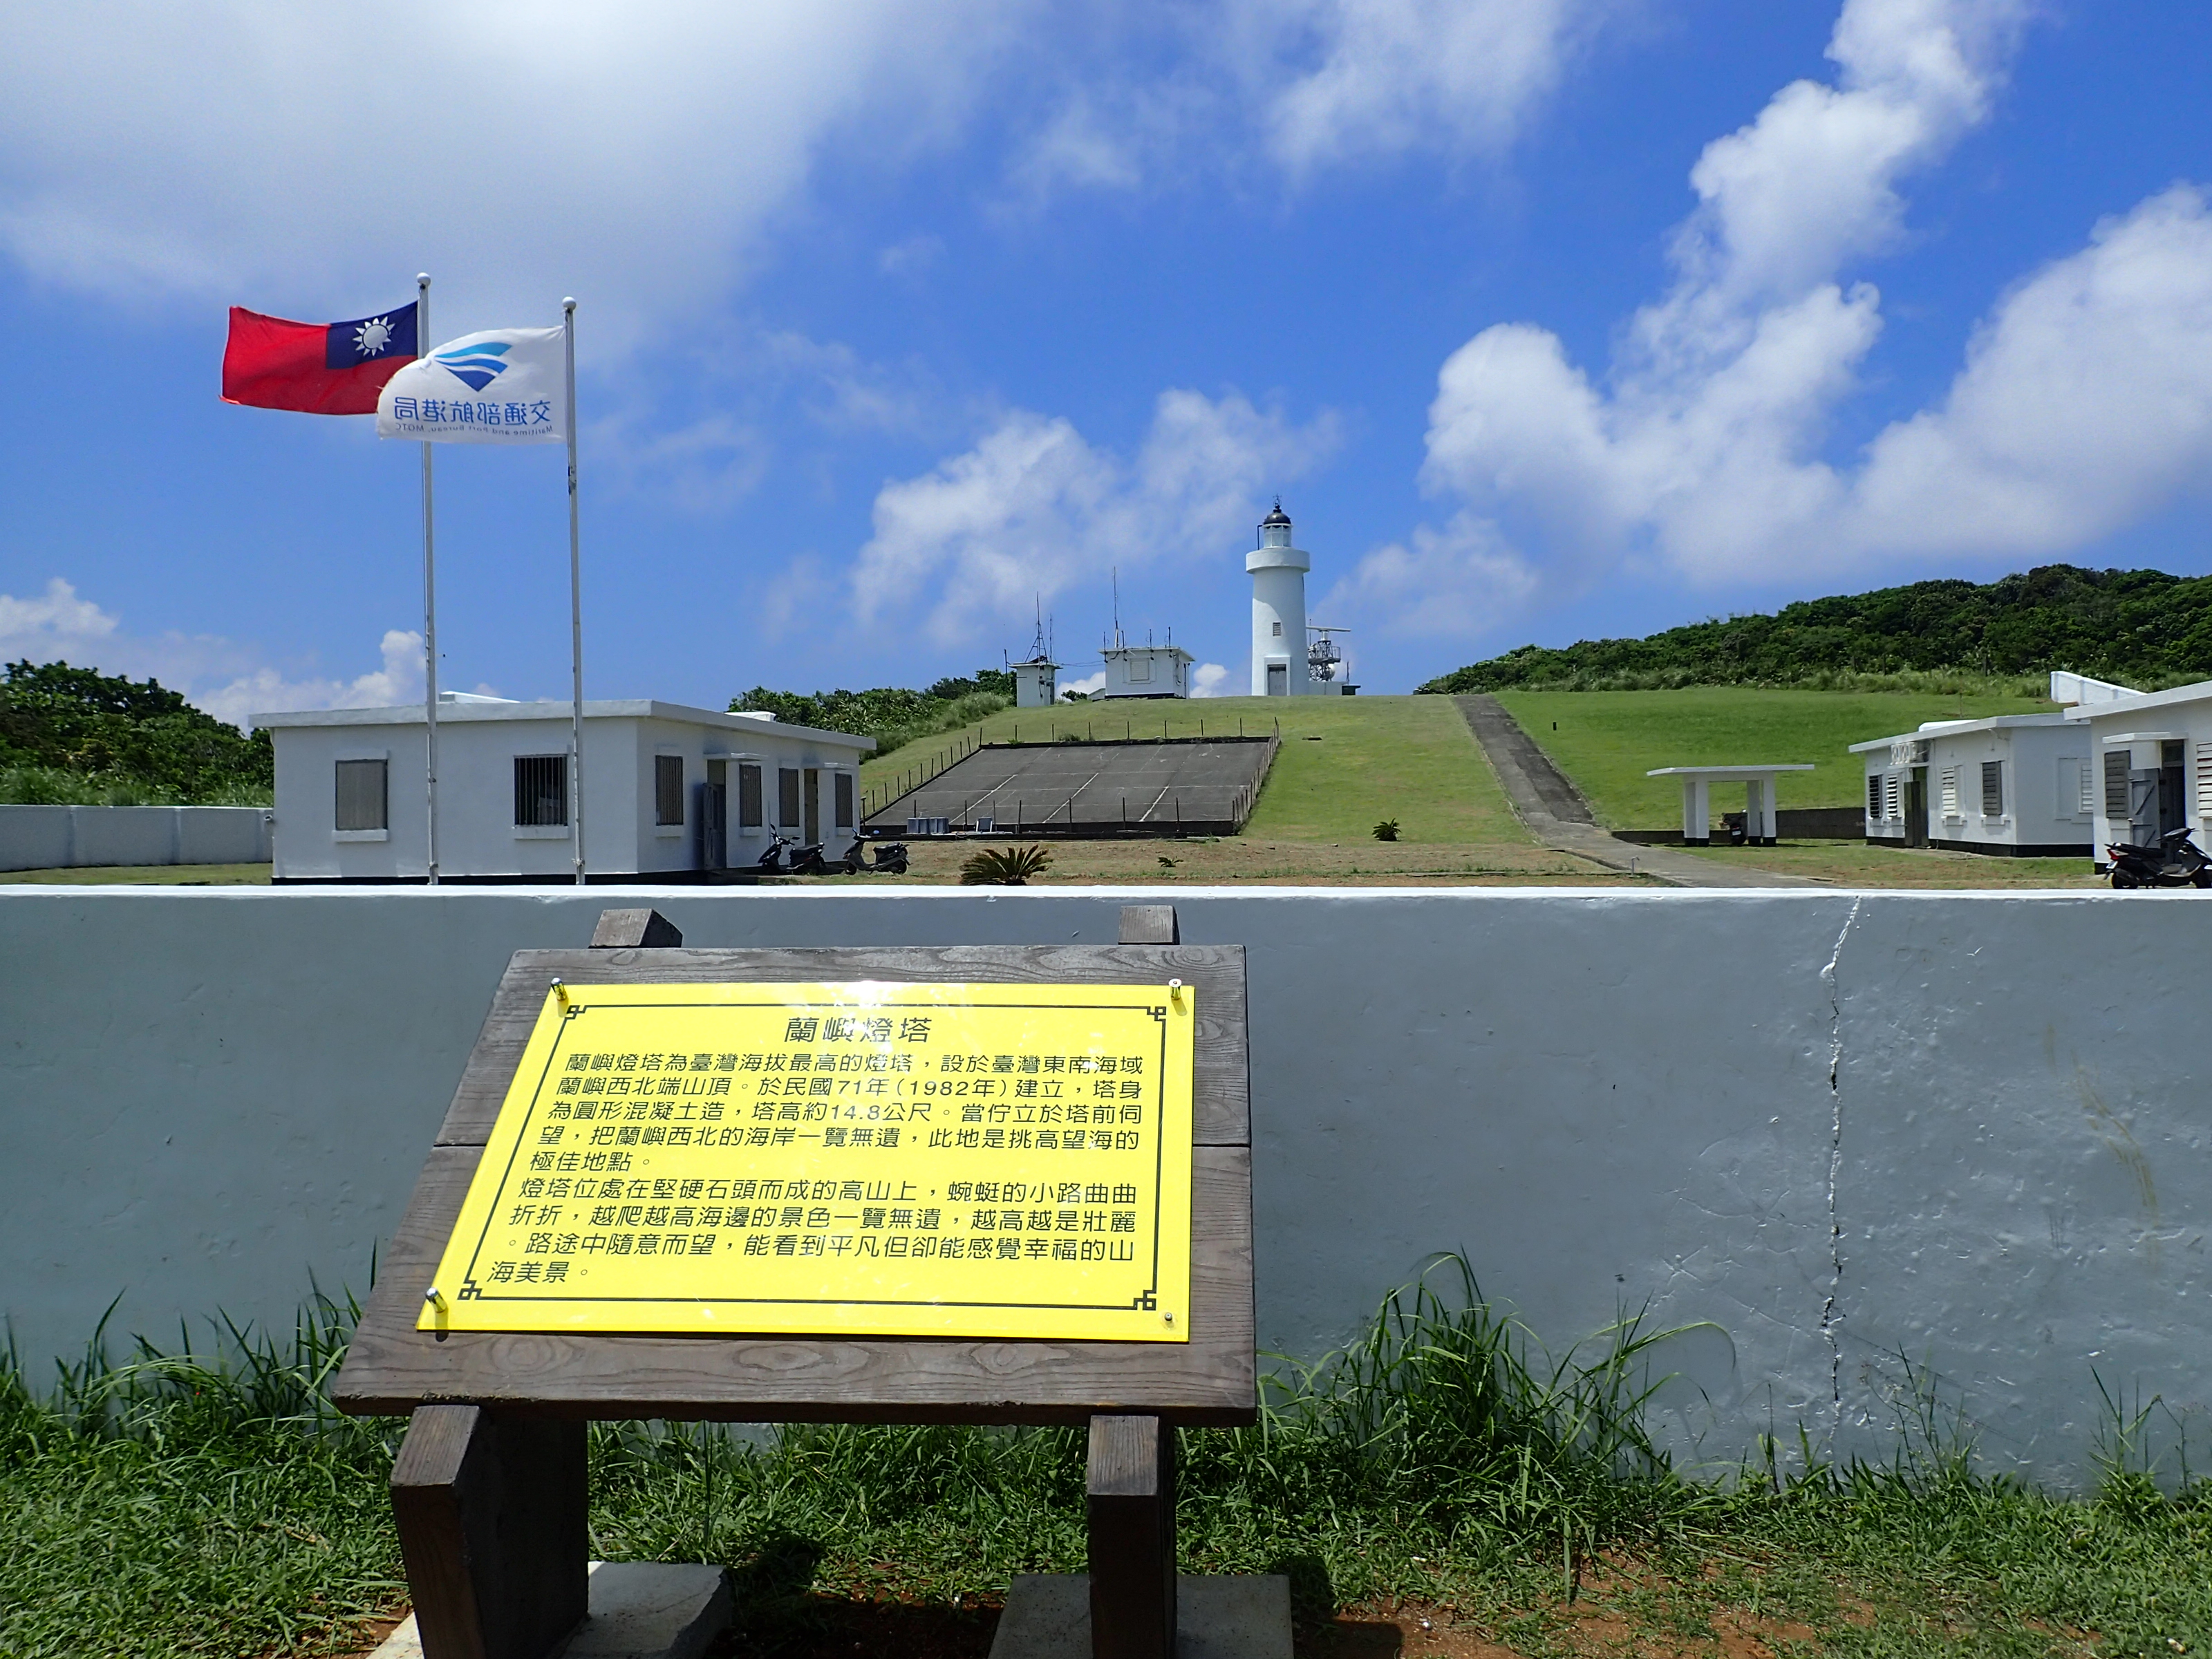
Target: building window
1278,630
2077,787
1140,670
1890,805
749,797
2116,785
1993,789
541,790
364,794
2204,784
844,792
786,797
668,788
1873,794
1950,791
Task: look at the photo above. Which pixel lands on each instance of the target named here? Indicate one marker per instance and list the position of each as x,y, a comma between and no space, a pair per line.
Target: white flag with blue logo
504,386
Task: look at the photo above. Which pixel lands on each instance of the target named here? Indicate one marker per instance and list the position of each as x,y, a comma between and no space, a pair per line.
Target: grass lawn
1606,740
1855,863
1345,762
133,875
1444,1492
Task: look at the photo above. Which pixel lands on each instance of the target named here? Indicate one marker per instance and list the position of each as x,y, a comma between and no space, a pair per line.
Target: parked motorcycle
770,863
885,858
2176,861
805,861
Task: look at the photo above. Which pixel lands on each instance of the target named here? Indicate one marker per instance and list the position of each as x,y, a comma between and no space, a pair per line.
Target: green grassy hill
1606,740
2143,628
1346,762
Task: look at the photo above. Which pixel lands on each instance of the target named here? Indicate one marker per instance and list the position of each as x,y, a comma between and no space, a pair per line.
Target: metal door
812,833
1916,808
1279,679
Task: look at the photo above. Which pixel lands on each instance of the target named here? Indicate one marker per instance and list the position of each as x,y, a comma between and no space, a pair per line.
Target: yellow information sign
873,1158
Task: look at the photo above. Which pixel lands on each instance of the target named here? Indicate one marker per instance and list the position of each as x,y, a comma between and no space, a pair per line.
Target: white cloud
228,680
1450,583
1381,76
1089,685
910,258
1208,679
1033,509
635,157
1299,84
2085,402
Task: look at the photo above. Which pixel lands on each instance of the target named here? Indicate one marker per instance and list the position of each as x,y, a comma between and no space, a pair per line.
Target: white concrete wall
1279,602
1608,1100
72,837
2038,812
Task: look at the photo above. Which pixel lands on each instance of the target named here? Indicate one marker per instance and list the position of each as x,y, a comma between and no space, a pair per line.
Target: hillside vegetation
2141,628
78,737
892,715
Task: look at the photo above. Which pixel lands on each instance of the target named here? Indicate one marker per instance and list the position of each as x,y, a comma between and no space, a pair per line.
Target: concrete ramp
1173,787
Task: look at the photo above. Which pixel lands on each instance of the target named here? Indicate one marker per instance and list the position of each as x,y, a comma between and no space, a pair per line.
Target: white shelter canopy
1760,820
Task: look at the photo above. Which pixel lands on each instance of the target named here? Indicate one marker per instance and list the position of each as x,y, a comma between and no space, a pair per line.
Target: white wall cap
2196,692
2066,687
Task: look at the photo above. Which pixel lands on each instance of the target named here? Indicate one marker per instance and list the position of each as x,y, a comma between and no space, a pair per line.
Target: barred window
749,797
844,792
787,796
2116,785
541,790
364,794
1993,789
668,788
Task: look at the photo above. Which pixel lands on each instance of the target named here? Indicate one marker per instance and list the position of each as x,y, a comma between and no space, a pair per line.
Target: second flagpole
576,593
429,595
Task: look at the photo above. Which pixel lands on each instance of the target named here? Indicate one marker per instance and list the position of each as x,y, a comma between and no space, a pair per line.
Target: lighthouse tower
1279,610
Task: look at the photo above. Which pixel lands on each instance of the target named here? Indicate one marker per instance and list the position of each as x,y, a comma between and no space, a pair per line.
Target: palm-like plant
1003,866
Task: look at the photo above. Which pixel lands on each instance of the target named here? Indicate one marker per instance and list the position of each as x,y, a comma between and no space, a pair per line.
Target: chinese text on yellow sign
869,1160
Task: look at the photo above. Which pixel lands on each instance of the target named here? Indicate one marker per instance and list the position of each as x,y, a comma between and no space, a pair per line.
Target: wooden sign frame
488,1487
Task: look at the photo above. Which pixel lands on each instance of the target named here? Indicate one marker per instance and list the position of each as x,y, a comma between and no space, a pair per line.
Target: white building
1146,671
1279,611
1036,682
2013,785
352,803
2152,761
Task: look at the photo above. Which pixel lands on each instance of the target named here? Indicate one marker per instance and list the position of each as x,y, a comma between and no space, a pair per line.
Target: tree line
75,734
2140,628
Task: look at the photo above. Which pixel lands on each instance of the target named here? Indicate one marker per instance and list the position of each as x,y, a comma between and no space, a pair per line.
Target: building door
812,833
1279,679
1916,808
714,817
2172,804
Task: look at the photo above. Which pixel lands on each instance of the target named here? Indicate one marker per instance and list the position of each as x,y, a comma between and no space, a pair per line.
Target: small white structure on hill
1036,682
1146,671
1279,610
2151,754
671,793
2017,785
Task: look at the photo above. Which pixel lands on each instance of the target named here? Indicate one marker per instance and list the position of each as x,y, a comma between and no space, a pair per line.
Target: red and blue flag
315,369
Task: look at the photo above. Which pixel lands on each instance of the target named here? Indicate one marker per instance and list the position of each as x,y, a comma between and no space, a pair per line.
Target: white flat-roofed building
1146,671
2013,785
671,793
2152,753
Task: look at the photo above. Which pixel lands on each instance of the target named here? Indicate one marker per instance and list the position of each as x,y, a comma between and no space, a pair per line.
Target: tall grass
170,1503
47,786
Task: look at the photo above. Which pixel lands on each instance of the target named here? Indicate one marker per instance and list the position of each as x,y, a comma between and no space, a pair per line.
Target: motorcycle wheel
2122,878
2202,878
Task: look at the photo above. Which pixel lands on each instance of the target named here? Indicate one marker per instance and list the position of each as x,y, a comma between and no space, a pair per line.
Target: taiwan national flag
316,369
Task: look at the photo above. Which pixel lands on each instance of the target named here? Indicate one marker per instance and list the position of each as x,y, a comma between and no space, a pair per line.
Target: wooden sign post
1095,1267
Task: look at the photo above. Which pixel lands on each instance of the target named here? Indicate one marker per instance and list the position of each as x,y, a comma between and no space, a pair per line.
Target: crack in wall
1830,1319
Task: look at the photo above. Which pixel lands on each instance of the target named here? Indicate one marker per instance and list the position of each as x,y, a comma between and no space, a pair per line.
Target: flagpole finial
421,279
568,304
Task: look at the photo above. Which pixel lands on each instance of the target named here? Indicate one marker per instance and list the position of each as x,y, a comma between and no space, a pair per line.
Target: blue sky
1548,318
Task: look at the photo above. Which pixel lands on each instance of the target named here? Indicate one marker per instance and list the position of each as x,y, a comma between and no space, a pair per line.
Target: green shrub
1003,866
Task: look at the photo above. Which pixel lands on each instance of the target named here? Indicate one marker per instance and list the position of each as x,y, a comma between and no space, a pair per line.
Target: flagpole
429,594
576,598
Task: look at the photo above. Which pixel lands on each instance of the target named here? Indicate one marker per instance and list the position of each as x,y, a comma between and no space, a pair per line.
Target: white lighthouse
1279,610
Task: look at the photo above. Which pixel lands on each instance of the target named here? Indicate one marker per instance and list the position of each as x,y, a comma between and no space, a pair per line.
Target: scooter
805,861
2176,861
770,862
885,858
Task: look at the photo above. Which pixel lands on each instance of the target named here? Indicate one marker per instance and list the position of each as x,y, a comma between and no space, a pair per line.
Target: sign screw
561,990
1174,992
434,1296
